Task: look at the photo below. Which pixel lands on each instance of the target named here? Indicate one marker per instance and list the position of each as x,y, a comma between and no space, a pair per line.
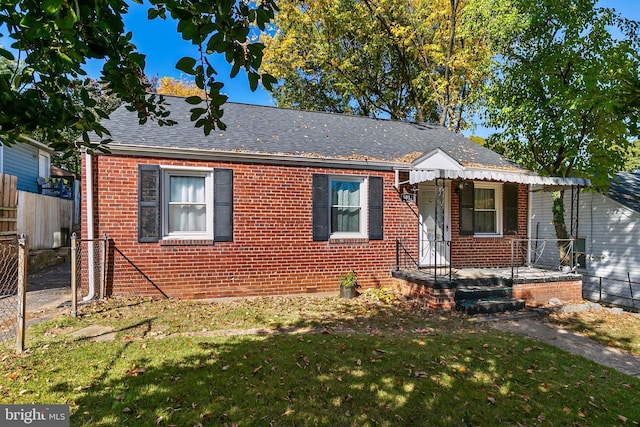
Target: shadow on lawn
369,376
610,329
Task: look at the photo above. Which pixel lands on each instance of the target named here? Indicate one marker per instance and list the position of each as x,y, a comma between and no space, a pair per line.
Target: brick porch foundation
441,296
541,292
436,298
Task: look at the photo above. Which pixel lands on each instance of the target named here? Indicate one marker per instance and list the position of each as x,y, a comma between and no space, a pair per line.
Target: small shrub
381,294
349,280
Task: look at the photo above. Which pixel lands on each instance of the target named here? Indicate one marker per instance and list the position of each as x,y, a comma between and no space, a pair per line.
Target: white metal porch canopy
422,175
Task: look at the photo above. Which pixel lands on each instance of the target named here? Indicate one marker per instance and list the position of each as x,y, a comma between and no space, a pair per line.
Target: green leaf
193,100
66,22
186,64
253,81
196,113
6,54
51,6
235,68
268,81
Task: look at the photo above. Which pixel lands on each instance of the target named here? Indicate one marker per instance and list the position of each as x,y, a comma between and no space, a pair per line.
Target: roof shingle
272,130
625,189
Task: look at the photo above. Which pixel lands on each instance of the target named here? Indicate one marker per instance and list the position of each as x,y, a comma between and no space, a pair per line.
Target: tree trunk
560,226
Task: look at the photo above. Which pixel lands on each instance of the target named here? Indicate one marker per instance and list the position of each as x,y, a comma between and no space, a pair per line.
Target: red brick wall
434,299
542,292
470,251
272,252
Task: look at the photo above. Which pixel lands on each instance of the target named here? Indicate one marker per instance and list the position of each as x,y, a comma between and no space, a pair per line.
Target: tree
53,39
182,87
556,91
404,59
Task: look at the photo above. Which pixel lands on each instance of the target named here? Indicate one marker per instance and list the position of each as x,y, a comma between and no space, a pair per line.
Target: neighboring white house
608,239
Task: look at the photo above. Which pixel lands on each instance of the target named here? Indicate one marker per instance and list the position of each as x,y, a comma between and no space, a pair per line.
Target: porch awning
422,175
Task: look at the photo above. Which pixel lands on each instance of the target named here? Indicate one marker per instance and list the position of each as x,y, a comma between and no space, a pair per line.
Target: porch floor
470,277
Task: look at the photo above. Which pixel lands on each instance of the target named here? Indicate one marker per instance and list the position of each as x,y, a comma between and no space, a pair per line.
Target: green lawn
311,361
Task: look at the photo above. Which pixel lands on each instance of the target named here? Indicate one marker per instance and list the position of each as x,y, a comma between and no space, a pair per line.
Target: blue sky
163,46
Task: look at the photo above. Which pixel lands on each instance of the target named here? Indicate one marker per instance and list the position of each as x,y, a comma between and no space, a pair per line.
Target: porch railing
438,259
404,259
550,254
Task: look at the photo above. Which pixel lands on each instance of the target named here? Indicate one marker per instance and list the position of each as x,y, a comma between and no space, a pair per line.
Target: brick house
285,201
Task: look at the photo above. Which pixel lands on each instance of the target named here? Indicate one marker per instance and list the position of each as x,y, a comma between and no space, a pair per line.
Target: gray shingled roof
625,189
271,130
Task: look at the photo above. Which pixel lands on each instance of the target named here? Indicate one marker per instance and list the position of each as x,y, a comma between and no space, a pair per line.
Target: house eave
39,145
252,157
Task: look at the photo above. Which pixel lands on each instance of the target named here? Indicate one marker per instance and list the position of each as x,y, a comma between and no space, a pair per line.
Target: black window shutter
320,207
510,197
466,209
148,203
376,197
223,205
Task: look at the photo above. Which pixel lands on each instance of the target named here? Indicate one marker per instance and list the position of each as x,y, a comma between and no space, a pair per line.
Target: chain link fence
8,290
99,269
13,255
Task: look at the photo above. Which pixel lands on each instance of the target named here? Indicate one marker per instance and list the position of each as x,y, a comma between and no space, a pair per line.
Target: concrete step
482,292
489,305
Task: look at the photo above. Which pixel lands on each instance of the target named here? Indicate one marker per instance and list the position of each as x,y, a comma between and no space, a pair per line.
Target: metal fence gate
100,270
13,261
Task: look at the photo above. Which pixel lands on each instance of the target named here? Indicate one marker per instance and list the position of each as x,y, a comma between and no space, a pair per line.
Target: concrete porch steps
486,300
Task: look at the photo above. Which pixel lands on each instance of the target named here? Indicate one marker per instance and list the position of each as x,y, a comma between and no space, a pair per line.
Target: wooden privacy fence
8,206
46,220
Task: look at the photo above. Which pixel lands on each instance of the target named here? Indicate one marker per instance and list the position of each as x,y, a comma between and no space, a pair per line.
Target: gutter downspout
529,214
88,179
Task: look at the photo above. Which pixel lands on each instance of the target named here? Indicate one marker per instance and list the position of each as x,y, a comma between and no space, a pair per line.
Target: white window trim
207,173
364,207
497,187
47,166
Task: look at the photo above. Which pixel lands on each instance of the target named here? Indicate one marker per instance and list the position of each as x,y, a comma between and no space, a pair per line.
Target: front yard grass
620,330
306,361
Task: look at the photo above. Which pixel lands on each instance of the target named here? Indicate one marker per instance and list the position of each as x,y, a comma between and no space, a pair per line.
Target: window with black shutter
184,204
148,203
345,206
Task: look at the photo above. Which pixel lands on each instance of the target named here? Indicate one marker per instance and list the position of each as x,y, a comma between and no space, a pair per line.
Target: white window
187,204
348,202
44,164
487,209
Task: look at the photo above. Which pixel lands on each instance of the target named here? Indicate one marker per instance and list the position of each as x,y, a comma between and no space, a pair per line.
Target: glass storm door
434,225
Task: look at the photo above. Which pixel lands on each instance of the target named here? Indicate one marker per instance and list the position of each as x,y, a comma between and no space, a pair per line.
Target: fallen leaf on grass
136,370
491,400
257,369
622,418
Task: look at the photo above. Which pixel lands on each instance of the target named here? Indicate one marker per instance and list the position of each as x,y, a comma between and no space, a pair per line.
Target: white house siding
612,243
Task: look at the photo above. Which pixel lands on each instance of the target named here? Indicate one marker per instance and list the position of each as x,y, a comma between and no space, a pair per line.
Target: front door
434,223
